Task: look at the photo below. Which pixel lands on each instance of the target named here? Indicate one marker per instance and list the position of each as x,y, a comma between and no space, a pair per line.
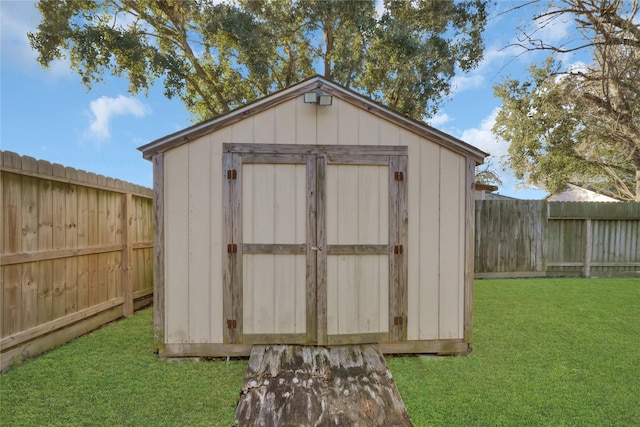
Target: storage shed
312,216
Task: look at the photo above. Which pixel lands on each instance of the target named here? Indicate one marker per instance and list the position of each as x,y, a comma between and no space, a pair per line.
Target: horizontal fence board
29,334
594,210
24,257
57,337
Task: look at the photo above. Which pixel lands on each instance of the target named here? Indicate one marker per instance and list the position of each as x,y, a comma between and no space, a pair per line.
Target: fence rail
535,238
76,253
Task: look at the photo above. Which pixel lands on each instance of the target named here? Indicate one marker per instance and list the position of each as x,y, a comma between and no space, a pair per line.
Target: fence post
588,240
127,258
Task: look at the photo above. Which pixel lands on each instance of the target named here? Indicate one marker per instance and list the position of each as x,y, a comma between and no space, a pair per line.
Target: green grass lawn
546,353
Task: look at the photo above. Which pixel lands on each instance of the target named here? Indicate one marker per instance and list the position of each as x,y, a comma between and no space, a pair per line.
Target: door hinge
398,321
232,248
232,174
399,175
232,324
398,249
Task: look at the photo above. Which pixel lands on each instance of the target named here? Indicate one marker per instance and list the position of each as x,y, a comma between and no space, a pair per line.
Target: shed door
317,242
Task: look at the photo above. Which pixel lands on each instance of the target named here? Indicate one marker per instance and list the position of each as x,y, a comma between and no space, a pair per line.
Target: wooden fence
77,252
535,238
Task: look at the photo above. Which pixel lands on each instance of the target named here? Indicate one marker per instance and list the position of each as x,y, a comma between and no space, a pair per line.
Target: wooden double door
316,242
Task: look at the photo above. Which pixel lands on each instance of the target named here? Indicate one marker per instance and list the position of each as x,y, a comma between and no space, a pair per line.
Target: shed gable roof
198,130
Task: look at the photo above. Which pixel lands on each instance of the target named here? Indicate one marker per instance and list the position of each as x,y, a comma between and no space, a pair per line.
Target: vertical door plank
237,308
227,236
232,267
321,285
248,224
403,238
398,235
159,328
312,252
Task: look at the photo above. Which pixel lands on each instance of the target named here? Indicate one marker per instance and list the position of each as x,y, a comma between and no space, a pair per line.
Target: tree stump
289,385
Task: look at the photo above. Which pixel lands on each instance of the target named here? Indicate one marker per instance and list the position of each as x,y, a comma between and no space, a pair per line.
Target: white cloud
439,119
495,57
105,108
553,29
19,18
467,81
483,138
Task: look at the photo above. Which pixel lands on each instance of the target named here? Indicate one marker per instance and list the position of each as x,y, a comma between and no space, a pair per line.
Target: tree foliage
579,124
217,56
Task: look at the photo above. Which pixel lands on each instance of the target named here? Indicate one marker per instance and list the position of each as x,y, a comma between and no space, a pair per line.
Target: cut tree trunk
290,385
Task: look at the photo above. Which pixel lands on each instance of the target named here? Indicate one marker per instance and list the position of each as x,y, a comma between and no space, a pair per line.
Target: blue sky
50,115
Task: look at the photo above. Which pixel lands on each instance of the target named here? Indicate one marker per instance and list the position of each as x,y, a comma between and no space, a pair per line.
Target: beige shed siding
424,239
435,308
199,248
216,244
452,179
176,175
285,123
